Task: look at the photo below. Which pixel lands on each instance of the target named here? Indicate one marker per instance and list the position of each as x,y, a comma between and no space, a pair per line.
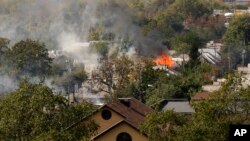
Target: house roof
131,109
201,95
178,105
211,55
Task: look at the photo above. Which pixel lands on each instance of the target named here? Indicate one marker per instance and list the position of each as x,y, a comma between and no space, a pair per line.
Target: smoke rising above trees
47,21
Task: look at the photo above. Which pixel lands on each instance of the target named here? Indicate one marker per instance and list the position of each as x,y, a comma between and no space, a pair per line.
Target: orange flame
164,59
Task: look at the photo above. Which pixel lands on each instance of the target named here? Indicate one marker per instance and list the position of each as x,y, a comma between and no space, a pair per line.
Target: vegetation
229,105
32,111
237,39
29,58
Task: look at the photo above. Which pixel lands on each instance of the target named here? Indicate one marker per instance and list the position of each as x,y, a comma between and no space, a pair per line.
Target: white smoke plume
48,20
7,84
65,25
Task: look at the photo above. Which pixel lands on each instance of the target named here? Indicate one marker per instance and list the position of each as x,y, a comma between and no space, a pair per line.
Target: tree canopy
33,110
30,58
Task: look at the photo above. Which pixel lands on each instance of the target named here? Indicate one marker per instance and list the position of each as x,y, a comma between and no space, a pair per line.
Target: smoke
49,20
7,84
66,24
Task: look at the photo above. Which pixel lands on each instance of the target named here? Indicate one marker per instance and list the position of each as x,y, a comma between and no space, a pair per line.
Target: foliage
3,49
29,58
144,78
238,32
69,80
113,74
33,110
61,65
229,105
183,85
189,42
161,126
100,47
236,40
212,117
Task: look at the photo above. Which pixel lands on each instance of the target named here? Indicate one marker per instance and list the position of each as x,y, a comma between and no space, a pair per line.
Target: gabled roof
131,109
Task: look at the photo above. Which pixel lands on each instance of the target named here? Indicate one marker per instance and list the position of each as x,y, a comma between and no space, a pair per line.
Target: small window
123,137
106,114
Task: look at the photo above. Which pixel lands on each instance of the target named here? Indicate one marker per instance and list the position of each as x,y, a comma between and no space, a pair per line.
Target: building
237,2
215,86
180,106
211,54
119,120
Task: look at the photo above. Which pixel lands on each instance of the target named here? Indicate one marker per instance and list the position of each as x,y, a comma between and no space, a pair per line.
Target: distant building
211,54
245,71
215,86
180,106
237,2
119,120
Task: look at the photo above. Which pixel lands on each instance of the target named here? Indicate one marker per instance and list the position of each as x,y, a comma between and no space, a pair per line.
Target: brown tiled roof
131,109
201,95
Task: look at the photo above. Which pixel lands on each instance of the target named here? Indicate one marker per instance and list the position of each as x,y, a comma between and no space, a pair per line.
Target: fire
164,59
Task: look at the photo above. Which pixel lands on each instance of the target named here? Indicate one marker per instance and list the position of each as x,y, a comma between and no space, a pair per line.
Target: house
119,120
211,54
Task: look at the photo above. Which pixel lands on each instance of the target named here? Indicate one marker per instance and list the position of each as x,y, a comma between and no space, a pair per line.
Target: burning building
164,60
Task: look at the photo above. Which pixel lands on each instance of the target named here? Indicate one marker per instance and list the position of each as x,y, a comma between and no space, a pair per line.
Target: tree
30,58
33,110
68,81
113,74
144,78
189,42
184,85
3,49
238,32
212,117
237,40
162,126
61,65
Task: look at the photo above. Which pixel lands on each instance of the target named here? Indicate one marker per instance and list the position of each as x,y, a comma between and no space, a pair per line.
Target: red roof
201,95
131,109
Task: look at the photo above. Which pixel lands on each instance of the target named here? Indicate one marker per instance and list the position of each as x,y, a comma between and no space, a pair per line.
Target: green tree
183,85
162,126
68,81
30,58
33,110
238,32
3,49
237,41
144,78
189,42
61,65
212,117
113,75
